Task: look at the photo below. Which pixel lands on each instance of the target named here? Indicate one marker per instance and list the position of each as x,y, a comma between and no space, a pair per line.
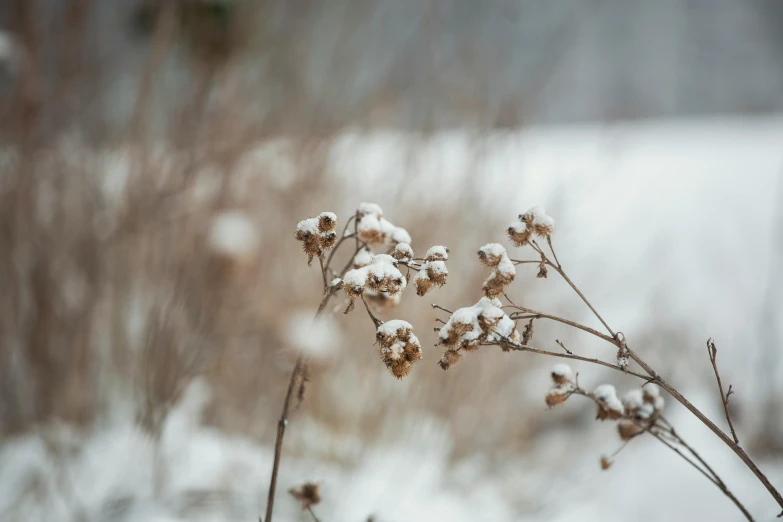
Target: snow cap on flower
317,234
399,348
609,406
494,255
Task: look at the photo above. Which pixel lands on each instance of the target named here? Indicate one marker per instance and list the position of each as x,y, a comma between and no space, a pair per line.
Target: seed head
307,494
449,358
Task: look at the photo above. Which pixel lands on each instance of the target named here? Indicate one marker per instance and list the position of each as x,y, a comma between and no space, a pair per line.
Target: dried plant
640,410
372,273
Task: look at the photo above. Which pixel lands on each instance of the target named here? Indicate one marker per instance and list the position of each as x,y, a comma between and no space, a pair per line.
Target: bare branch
712,353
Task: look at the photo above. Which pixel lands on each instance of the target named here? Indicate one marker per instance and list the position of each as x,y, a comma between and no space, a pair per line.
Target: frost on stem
317,234
562,385
467,328
433,271
494,255
399,347
609,406
375,230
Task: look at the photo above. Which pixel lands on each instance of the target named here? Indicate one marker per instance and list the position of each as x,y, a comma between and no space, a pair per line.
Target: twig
377,322
541,315
441,308
652,428
712,353
283,421
524,348
735,447
714,479
323,271
563,347
281,425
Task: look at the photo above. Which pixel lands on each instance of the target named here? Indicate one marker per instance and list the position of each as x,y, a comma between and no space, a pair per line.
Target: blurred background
156,156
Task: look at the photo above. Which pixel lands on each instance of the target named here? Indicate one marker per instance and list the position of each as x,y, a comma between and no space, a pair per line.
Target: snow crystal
233,234
370,208
562,370
437,252
336,281
389,328
505,327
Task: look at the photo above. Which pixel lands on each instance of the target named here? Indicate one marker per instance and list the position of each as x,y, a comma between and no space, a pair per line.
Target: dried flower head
527,334
437,253
449,358
403,252
494,255
562,374
518,233
399,347
606,462
307,494
628,429
380,276
538,221
557,395
317,234
484,322
374,229
491,254
609,406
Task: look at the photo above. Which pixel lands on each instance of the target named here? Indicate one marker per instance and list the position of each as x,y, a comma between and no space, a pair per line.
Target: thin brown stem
524,348
281,425
340,242
651,426
438,307
552,249
283,421
712,478
377,322
323,271
735,447
562,273
712,353
541,315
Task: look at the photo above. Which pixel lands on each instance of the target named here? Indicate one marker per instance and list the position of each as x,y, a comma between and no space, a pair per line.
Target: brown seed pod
450,358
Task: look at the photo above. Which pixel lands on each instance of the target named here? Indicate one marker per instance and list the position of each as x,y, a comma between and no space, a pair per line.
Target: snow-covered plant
373,273
640,411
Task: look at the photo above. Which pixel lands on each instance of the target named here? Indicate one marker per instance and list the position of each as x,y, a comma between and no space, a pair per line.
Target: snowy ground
678,214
